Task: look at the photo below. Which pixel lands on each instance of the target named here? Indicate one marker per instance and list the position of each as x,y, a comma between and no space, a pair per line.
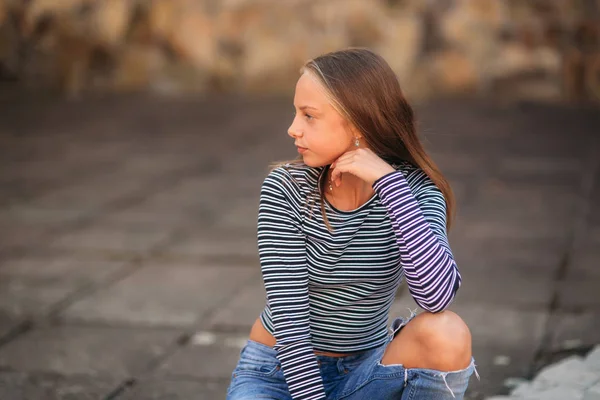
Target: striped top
332,291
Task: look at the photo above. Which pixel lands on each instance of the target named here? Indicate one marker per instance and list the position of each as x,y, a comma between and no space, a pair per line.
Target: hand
362,163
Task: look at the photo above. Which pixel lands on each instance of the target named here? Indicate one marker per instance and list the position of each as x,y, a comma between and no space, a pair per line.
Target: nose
294,130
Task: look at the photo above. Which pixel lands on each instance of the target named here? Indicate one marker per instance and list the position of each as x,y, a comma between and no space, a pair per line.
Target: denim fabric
258,375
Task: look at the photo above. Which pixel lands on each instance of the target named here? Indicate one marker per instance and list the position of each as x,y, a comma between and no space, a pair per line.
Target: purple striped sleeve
419,221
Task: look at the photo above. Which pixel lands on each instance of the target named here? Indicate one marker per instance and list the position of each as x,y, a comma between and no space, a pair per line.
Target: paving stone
502,227
37,169
525,264
579,294
181,196
527,257
189,203
497,356
41,216
593,232
162,294
584,262
158,219
93,193
547,170
241,214
460,188
59,268
570,372
8,323
594,212
523,390
554,146
513,383
223,351
111,239
557,393
495,364
91,351
152,165
20,236
583,329
501,356
215,244
592,393
517,289
15,386
204,190
16,191
21,298
460,145
33,285
592,360
518,327
527,271
457,166
505,198
242,310
163,389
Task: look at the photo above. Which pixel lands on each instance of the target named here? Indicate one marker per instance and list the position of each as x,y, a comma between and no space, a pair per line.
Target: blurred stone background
536,49
135,135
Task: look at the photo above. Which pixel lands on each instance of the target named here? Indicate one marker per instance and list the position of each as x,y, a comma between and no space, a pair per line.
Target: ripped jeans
353,377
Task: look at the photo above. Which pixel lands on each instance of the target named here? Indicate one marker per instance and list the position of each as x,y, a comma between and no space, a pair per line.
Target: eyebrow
308,107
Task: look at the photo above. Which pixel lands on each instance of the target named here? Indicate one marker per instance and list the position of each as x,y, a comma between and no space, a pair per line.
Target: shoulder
298,179
284,190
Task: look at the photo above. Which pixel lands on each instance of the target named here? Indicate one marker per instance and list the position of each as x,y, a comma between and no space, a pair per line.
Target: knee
442,333
440,341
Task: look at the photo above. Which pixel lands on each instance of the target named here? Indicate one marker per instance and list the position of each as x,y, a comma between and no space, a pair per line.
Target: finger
335,170
334,174
347,155
342,166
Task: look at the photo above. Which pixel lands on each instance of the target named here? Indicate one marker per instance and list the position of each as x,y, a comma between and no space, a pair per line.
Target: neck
352,192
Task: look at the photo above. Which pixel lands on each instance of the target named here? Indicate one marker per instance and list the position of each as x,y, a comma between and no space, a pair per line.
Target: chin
314,163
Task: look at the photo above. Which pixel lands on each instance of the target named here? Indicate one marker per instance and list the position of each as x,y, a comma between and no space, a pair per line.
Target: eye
308,116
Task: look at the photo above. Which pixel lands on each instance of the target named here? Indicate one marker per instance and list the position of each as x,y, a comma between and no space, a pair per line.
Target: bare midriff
259,334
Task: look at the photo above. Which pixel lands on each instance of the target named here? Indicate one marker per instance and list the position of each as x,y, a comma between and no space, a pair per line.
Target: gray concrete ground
128,263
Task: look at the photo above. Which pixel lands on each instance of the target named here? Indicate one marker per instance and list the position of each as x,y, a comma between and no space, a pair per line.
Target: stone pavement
128,262
573,378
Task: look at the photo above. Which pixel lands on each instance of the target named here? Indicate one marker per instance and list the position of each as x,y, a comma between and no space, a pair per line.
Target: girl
338,228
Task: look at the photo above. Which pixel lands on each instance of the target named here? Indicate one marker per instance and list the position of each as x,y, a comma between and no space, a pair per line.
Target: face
318,127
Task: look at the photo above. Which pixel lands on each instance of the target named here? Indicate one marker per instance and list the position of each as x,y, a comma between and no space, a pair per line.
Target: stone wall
544,49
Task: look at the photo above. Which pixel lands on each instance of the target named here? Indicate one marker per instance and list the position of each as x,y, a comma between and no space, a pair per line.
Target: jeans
359,376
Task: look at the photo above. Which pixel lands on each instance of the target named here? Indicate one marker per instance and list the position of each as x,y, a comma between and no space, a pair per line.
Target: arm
420,225
281,247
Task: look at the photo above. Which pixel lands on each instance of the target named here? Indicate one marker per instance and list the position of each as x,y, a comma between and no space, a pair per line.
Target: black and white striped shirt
332,291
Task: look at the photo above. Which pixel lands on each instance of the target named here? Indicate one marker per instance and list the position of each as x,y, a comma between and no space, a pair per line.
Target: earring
356,142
